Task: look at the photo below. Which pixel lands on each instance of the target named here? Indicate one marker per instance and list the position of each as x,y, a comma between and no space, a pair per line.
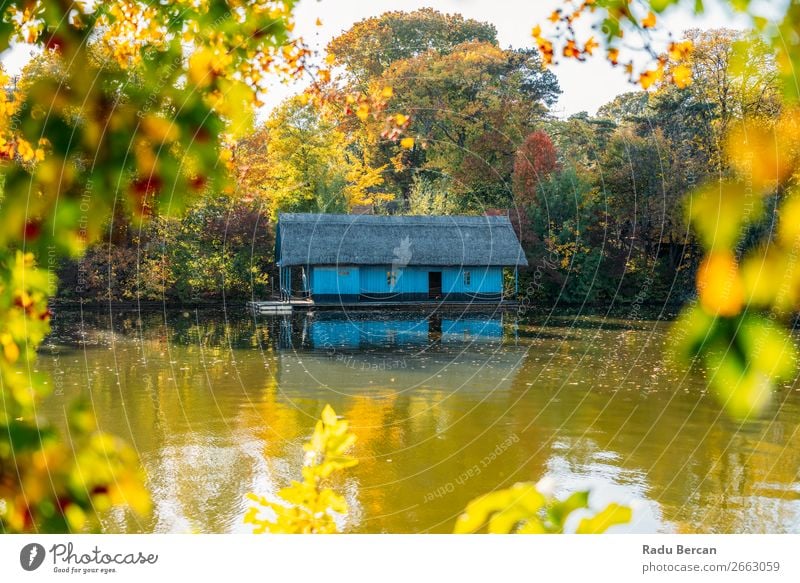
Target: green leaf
693,331
743,390
661,5
560,511
768,348
23,436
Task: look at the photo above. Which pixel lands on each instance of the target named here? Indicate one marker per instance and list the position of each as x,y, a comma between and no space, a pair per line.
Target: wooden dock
278,306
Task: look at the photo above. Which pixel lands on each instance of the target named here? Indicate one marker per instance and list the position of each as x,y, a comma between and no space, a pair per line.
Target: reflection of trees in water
208,328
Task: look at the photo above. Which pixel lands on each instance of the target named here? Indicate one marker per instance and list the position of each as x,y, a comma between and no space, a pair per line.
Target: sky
585,86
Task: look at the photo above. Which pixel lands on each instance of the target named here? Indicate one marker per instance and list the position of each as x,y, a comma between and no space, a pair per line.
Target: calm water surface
445,408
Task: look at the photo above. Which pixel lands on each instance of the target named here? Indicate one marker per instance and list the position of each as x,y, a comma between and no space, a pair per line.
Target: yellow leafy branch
308,506
528,508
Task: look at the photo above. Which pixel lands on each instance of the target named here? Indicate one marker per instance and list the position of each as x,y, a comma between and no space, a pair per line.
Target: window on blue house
391,278
467,278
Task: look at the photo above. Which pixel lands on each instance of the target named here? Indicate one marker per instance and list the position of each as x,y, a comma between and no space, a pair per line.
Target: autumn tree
431,195
301,161
369,47
644,184
468,103
580,139
735,72
675,140
625,107
222,247
470,109
733,77
567,222
534,161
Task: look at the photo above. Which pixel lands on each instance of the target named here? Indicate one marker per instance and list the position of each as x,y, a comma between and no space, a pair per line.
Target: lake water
445,408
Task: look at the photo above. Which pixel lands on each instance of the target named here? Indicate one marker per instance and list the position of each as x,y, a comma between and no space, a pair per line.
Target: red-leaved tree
534,161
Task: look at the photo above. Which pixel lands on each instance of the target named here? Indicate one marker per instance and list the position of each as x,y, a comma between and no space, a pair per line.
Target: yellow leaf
363,112
590,46
159,129
76,518
762,268
407,143
200,67
649,21
720,285
681,51
10,349
601,522
25,151
546,48
648,78
503,510
759,152
682,76
319,22
571,50
400,119
505,521
329,415
305,507
719,210
387,92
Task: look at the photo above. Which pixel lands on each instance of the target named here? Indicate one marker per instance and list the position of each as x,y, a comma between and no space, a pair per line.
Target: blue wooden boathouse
371,258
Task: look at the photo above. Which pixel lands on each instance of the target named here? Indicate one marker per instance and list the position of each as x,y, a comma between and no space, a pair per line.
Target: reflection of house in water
472,329
344,332
398,351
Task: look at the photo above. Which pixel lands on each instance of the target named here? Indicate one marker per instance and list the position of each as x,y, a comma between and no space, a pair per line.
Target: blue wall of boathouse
354,283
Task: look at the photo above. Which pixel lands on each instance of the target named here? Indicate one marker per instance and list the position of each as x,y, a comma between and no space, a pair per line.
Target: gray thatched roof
319,239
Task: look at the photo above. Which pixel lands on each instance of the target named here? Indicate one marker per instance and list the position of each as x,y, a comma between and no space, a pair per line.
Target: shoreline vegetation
654,310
